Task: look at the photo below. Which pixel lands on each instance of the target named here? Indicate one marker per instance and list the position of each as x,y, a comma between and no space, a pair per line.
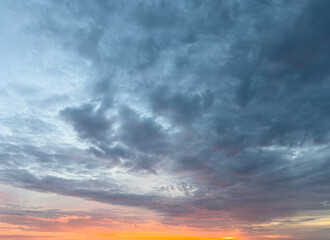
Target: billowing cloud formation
226,101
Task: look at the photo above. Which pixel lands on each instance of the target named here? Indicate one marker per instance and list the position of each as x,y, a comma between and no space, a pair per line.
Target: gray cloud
89,122
231,96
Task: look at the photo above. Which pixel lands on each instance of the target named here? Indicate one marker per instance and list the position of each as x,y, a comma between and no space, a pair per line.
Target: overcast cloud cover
212,114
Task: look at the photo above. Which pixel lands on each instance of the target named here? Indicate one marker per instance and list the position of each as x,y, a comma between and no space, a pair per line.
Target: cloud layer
225,103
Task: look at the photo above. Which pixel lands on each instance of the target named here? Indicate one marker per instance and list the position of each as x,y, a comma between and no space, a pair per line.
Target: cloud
11,236
88,122
228,96
54,220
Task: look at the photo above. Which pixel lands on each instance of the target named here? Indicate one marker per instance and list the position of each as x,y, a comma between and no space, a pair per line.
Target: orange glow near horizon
122,223
160,236
96,233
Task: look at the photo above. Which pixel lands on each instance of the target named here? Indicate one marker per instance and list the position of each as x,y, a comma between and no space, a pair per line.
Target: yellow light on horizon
277,236
140,236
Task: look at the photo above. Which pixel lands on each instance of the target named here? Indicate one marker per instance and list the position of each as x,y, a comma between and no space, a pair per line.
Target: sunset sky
165,120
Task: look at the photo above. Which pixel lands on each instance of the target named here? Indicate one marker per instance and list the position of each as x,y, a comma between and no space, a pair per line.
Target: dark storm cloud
269,106
232,95
90,123
144,134
178,107
303,50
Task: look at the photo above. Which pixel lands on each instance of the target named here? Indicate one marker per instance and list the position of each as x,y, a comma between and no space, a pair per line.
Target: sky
164,120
